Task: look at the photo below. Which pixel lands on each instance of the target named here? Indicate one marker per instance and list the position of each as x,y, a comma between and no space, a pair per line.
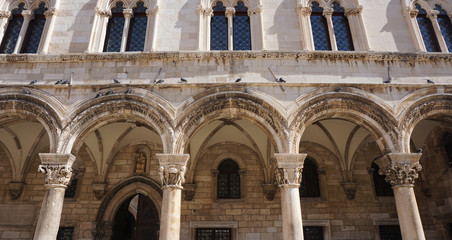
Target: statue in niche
140,162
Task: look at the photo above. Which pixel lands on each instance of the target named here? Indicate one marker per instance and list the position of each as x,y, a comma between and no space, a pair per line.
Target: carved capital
208,12
413,12
152,11
15,189
288,168
400,168
200,10
128,13
353,11
433,14
172,169
57,168
349,189
269,190
5,14
99,189
230,11
328,11
102,12
49,13
255,10
27,14
189,191
305,11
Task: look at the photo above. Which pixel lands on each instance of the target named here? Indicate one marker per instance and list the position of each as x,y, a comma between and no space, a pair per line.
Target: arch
362,110
435,106
119,193
36,4
230,105
94,114
34,106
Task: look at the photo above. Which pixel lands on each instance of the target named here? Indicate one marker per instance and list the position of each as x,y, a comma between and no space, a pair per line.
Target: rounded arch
359,109
436,106
94,114
36,107
235,157
230,105
118,194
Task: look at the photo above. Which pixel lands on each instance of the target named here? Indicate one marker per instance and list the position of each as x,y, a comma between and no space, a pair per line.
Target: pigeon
238,80
281,80
26,91
338,89
33,82
128,91
387,81
430,81
182,80
160,81
109,92
116,80
65,82
419,150
99,95
59,81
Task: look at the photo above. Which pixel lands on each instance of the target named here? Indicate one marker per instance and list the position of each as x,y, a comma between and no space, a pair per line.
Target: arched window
341,27
445,26
115,29
447,143
219,28
309,186
319,28
228,183
241,28
12,32
427,31
382,188
137,32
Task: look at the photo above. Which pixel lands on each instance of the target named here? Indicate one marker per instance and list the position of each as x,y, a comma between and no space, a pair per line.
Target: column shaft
407,211
170,221
291,213
50,214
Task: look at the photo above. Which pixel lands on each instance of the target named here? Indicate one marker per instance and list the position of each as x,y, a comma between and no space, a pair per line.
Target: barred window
228,180
65,233
309,186
319,28
313,232
12,31
137,31
390,232
219,28
114,29
382,188
341,27
445,25
241,27
213,234
34,31
427,31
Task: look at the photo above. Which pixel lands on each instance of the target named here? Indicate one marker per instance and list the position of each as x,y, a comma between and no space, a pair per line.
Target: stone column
304,22
48,30
328,14
4,18
208,14
433,16
151,30
58,170
128,14
288,169
28,16
172,171
401,169
230,11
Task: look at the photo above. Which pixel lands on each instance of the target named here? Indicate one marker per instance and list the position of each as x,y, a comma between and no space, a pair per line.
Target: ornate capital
269,190
27,14
413,12
200,10
57,168
99,189
172,169
189,191
433,14
152,11
208,12
353,11
400,168
128,13
288,168
5,14
102,12
328,11
304,11
15,189
230,11
255,10
49,13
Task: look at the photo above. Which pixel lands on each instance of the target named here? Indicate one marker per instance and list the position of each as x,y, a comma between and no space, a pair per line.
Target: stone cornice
197,55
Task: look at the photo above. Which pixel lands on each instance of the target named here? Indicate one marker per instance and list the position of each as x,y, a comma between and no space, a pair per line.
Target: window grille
427,31
213,234
341,27
313,232
382,188
319,28
34,31
219,28
446,26
115,29
12,31
65,233
241,28
390,232
228,180
310,186
137,32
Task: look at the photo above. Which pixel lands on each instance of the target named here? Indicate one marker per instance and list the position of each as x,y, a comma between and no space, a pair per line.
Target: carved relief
269,190
99,190
172,169
189,191
399,168
57,168
349,189
288,168
15,189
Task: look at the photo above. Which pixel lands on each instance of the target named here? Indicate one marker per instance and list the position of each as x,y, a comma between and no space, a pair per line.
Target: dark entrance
136,219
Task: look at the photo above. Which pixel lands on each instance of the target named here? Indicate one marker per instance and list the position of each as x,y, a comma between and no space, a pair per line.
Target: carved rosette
400,168
288,168
172,169
189,191
15,189
57,168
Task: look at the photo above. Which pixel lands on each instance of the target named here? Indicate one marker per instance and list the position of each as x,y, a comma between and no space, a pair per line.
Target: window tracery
127,25
27,26
430,24
332,25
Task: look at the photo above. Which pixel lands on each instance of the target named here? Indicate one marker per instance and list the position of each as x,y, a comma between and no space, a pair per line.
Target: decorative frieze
57,168
172,169
400,168
288,168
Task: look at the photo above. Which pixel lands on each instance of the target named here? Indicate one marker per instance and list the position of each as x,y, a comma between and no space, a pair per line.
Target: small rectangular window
390,232
313,233
65,233
213,234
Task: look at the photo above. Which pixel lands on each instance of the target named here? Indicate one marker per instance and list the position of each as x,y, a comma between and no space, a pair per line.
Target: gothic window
390,232
427,31
13,30
309,186
65,233
341,29
447,143
241,27
313,232
445,25
34,31
213,234
114,29
228,183
382,188
219,28
137,31
319,28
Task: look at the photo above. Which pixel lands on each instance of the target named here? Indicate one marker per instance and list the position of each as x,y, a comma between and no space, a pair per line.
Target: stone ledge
217,55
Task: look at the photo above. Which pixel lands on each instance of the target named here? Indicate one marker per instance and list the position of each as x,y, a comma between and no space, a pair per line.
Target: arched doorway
136,219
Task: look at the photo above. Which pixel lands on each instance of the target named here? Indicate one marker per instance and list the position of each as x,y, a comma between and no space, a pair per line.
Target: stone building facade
207,119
